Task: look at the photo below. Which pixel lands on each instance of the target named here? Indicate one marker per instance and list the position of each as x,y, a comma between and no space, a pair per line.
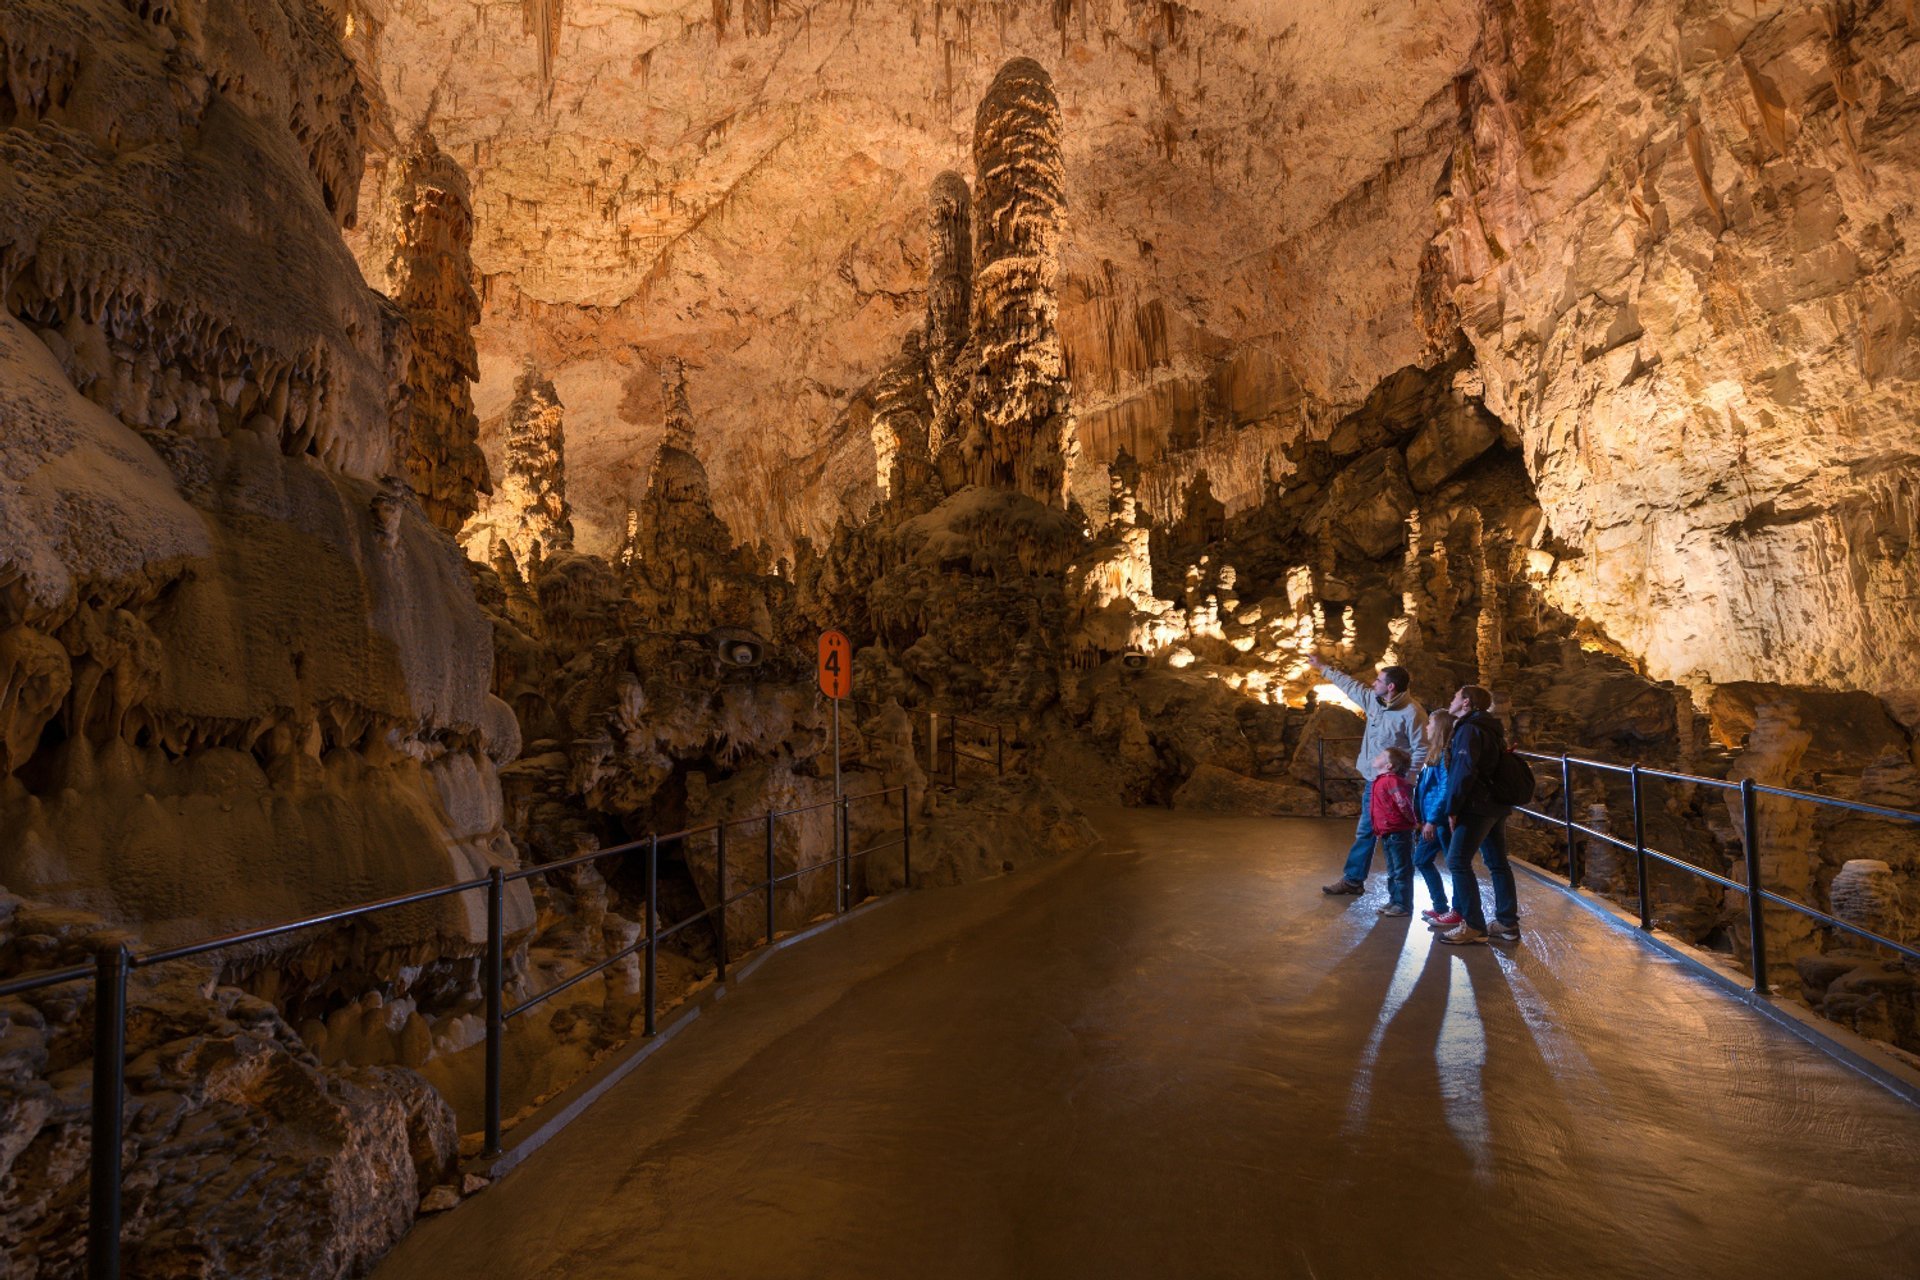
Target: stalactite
541,19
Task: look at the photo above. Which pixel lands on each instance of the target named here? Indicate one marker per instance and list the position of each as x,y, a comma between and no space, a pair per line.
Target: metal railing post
653,926
1566,805
1756,905
770,877
846,864
109,1099
933,743
1321,746
953,752
999,752
720,859
496,981
906,839
1640,849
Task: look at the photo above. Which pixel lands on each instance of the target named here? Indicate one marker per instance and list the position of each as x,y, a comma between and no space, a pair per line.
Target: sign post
836,681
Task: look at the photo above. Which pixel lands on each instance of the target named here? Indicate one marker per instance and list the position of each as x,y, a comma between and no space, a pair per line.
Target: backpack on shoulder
1511,782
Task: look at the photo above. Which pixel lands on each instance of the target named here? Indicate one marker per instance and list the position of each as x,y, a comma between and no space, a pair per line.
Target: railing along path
1756,893
110,971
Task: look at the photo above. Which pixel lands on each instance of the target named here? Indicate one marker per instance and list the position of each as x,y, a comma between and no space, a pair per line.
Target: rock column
1022,435
949,301
422,259
534,491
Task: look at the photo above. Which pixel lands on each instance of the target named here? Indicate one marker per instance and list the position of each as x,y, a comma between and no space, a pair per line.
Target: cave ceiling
744,185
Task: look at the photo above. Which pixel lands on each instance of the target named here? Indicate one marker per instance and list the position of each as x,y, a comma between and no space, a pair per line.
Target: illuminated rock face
1674,243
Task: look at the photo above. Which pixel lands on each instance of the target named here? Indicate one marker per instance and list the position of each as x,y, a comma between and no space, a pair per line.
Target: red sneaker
1431,914
1449,920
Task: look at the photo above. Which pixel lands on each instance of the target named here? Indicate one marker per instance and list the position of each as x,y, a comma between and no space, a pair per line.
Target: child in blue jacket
1430,806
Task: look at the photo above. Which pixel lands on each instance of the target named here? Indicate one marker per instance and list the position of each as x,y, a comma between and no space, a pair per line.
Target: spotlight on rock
736,647
1134,660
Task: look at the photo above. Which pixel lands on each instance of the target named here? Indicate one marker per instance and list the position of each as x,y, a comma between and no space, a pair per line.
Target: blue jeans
1488,833
1425,852
1399,845
1360,858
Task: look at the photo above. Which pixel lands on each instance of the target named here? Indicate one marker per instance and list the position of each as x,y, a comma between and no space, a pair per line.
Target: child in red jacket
1394,820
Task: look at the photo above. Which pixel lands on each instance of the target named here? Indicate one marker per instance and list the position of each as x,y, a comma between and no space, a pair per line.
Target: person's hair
1397,758
1398,678
1477,698
1439,730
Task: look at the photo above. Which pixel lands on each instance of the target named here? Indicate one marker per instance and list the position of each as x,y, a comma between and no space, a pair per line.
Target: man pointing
1394,719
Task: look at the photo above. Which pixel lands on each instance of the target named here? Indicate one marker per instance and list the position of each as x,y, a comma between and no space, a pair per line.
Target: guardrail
110,971
977,751
1757,894
1321,745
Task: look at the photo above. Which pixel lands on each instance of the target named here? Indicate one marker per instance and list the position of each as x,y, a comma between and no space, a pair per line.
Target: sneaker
1445,920
1463,936
1392,910
1342,886
1503,932
1430,915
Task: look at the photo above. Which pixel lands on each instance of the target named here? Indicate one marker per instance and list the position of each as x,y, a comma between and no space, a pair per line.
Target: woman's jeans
1427,851
1488,833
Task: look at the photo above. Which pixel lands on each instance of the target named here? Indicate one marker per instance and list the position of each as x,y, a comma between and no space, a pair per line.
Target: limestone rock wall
1674,238
244,676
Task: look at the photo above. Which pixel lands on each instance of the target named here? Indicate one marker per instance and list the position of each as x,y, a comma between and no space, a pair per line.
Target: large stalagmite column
421,257
949,304
534,491
1022,435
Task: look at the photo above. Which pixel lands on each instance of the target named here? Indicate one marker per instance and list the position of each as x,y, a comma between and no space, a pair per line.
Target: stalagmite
419,254
529,511
949,307
1023,433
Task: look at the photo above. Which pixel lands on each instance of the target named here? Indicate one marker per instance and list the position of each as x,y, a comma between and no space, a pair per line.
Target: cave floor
1174,1057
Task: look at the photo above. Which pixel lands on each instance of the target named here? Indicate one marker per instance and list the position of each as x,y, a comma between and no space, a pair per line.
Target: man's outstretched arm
1361,695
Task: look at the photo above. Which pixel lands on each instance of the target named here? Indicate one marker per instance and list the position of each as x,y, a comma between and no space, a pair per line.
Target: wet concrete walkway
1175,1058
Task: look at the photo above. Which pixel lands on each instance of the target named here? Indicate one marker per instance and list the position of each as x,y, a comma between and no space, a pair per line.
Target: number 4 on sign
836,664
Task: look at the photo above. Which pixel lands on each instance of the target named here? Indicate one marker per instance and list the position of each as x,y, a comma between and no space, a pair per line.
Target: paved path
1176,1059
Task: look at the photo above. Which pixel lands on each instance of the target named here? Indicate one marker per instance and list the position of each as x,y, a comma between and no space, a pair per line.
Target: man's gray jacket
1400,723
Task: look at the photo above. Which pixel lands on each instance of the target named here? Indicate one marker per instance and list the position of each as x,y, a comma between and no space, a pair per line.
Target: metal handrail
1756,892
110,970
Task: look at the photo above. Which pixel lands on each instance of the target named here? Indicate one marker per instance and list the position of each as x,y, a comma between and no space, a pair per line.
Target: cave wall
242,675
1675,238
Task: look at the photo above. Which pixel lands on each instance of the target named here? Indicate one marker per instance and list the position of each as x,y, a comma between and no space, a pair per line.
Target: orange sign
836,664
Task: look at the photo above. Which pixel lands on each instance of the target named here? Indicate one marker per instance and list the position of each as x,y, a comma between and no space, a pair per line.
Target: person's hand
1313,660
1426,830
